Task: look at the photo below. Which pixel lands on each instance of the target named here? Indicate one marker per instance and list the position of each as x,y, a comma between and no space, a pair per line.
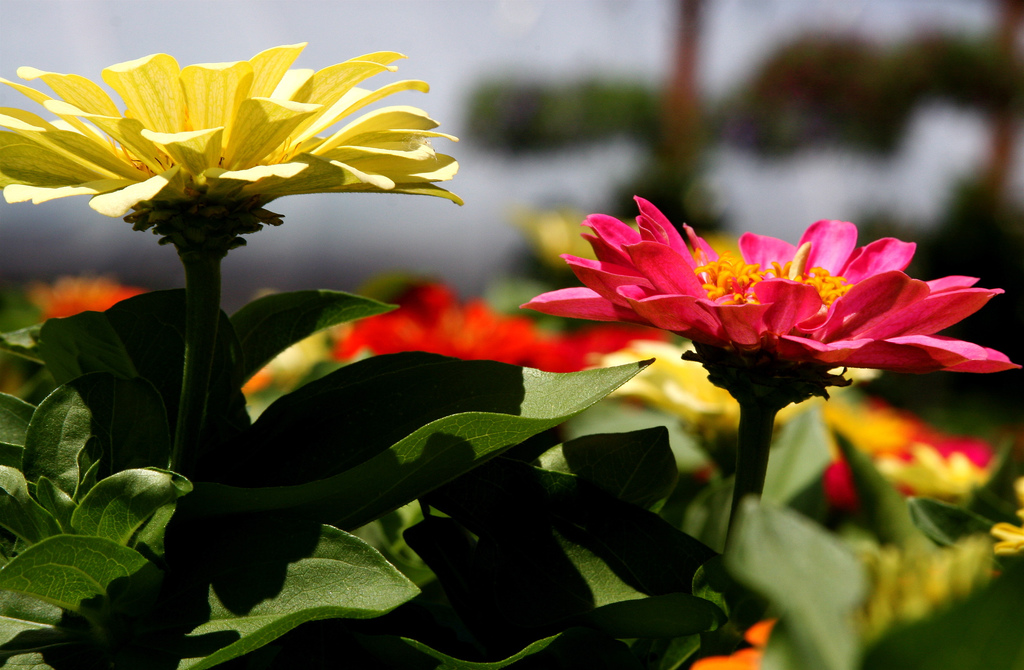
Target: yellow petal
409,143
283,170
25,161
320,176
356,99
427,189
196,150
75,89
386,118
39,194
213,93
150,88
377,180
128,133
70,144
290,83
270,66
119,203
260,127
42,99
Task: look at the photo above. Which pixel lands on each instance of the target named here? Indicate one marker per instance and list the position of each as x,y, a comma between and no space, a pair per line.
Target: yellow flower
681,387
552,233
1011,538
909,583
228,136
925,471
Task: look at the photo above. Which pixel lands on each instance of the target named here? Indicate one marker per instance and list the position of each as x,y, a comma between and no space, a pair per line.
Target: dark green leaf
117,506
11,455
85,575
996,499
56,502
15,415
945,523
636,467
269,325
570,650
96,419
983,631
422,421
23,342
19,513
555,548
29,626
240,586
810,577
143,336
884,509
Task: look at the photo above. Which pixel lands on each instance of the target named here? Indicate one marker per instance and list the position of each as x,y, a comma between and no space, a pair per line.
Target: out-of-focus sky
335,241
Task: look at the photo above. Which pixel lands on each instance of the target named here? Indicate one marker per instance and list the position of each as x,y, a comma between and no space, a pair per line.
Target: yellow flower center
729,281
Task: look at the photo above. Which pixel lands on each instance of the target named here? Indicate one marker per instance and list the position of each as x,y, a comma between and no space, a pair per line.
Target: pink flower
824,301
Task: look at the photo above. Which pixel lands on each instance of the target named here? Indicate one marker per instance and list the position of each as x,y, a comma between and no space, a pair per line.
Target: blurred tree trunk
1005,122
681,113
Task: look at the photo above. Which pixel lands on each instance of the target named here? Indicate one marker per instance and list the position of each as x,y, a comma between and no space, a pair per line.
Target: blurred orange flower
748,658
68,296
430,318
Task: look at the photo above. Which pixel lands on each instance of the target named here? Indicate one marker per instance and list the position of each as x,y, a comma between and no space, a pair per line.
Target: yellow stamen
730,281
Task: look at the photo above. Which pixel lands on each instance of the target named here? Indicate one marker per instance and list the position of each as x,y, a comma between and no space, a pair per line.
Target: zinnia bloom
824,301
222,134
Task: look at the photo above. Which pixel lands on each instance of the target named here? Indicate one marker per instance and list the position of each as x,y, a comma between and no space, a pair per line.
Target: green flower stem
202,315
757,420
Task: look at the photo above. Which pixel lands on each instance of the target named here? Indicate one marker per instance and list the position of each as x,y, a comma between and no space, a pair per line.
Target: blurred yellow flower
1011,538
224,135
551,233
681,388
909,583
925,471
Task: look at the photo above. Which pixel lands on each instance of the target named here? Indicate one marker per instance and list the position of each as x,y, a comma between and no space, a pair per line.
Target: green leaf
23,342
242,585
117,506
811,579
983,631
144,336
554,548
97,418
414,422
799,456
29,626
636,467
945,523
56,502
15,415
19,513
83,343
572,649
884,509
85,575
269,325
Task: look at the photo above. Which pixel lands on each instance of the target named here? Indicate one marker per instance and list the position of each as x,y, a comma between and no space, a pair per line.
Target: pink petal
789,303
610,236
880,256
832,242
957,355
932,314
951,282
666,269
663,231
698,243
743,325
680,314
581,303
796,348
763,250
868,303
605,278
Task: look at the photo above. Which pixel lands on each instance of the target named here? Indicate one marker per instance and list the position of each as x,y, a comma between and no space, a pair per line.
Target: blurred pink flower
823,301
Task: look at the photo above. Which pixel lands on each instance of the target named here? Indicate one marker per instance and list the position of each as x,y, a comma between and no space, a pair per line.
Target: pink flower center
730,281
